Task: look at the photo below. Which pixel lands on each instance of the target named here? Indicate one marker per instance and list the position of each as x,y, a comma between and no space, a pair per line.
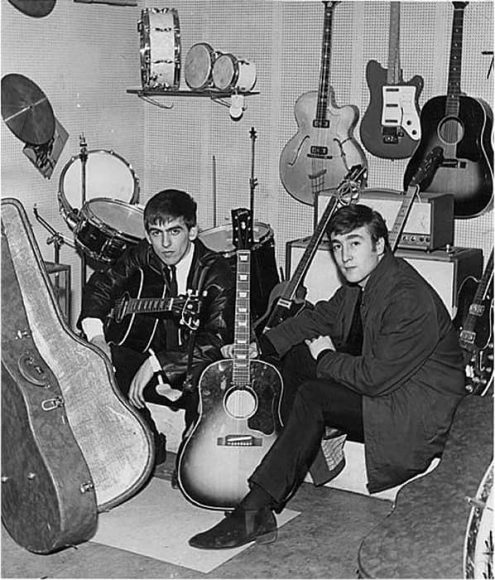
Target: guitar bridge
239,441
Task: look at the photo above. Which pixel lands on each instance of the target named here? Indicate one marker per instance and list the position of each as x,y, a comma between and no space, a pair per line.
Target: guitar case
115,441
48,498
424,535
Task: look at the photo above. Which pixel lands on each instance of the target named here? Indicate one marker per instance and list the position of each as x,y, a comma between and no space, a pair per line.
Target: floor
322,542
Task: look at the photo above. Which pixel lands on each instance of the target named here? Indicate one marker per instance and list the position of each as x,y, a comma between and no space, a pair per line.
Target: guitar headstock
460,5
426,170
242,229
350,188
188,307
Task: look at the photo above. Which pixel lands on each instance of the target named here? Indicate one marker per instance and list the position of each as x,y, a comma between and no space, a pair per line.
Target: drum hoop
266,237
235,63
104,226
61,193
213,56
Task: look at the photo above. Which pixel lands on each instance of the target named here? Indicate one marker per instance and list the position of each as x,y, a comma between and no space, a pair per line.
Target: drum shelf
213,94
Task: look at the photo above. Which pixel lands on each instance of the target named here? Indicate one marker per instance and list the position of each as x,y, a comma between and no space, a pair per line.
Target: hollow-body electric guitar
287,298
462,126
474,320
322,152
390,127
133,320
239,406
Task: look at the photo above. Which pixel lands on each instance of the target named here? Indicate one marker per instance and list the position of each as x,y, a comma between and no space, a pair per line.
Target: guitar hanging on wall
475,322
239,411
462,126
322,152
390,127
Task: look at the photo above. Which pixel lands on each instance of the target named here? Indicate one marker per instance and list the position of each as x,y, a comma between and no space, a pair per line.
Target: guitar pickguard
399,109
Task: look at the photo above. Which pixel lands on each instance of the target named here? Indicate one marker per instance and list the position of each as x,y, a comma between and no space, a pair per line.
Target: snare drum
478,545
107,227
264,273
230,73
198,67
107,175
159,30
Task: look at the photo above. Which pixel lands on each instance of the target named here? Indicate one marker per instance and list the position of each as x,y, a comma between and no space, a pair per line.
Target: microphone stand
83,156
253,182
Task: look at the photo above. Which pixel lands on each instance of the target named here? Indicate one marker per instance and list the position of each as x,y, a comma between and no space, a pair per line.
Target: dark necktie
170,324
172,280
354,343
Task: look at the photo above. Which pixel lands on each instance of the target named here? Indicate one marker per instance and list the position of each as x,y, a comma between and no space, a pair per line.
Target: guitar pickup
239,441
319,151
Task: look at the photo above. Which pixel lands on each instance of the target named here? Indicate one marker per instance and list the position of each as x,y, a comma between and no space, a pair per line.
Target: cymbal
26,110
36,8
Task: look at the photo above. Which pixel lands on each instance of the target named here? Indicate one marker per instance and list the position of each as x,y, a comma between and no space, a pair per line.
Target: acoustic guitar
239,405
131,321
390,127
322,152
462,126
287,298
474,320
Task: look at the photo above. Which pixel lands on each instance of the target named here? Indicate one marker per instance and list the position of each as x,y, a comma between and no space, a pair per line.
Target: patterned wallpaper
86,56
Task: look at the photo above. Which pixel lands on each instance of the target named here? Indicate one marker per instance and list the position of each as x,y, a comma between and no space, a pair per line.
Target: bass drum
160,48
198,67
107,175
478,546
264,273
107,227
231,73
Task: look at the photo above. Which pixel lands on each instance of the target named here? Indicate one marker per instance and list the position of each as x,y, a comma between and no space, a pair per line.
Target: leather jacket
210,272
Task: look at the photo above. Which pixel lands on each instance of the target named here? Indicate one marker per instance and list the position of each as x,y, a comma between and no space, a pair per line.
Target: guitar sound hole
451,130
240,403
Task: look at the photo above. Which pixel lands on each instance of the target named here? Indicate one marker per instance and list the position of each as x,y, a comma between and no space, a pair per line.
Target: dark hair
167,205
353,216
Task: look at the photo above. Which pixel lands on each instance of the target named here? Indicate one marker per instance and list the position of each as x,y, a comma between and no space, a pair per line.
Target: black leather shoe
238,528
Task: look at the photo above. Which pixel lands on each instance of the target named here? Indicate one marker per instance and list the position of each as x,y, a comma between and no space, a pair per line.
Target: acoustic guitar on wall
462,126
239,410
390,127
322,152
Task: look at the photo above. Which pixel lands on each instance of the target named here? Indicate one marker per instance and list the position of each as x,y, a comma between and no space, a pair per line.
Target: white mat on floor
158,522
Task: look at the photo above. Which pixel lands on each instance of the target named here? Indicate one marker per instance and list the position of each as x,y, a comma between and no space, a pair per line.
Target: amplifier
429,226
444,270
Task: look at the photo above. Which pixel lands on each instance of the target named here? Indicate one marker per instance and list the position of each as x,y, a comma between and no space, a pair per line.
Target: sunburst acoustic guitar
239,410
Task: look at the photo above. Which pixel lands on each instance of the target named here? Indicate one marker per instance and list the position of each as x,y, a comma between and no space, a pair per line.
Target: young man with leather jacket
169,262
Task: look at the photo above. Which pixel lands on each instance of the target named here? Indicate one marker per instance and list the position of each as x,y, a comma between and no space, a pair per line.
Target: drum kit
205,69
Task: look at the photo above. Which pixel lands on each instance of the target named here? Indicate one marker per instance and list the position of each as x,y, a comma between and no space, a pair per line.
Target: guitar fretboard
322,104
455,63
242,333
148,305
393,71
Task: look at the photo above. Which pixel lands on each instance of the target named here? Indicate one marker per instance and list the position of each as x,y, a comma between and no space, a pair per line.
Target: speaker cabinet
444,270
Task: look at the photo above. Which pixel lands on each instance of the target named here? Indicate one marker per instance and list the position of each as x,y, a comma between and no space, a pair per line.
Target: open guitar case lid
71,445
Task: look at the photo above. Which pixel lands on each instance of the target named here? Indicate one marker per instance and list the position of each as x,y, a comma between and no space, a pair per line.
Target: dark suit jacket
410,373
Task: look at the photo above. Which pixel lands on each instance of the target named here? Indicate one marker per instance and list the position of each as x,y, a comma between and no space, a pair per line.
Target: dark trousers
308,406
127,362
